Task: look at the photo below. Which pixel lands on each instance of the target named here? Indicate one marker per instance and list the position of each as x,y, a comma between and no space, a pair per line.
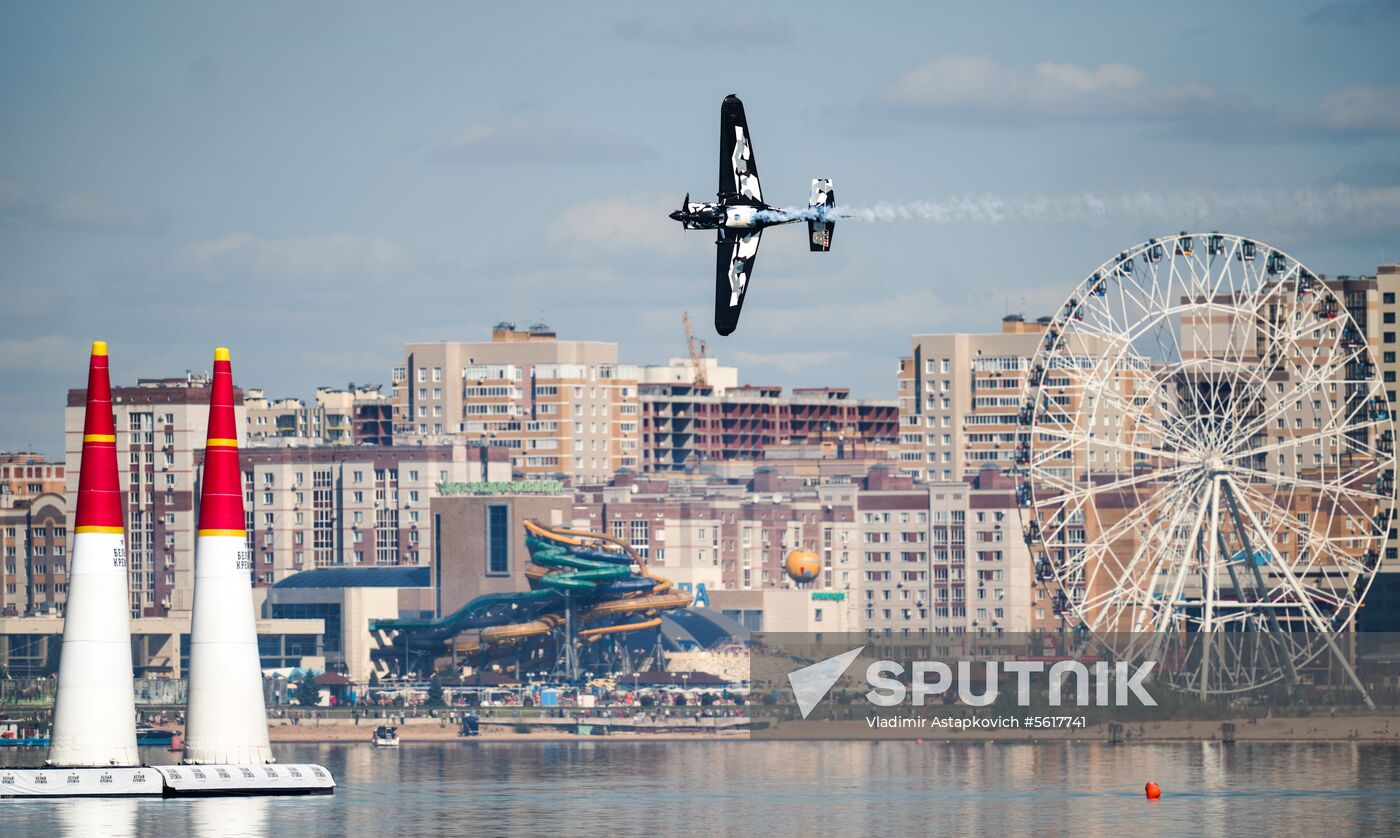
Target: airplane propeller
679,215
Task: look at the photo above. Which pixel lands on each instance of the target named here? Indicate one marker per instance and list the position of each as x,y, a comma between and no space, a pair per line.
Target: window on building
497,540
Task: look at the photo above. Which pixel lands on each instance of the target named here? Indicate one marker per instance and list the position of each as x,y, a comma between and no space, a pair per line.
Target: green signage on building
835,596
502,487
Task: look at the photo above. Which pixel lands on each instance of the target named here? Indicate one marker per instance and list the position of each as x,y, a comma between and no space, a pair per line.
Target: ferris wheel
1207,459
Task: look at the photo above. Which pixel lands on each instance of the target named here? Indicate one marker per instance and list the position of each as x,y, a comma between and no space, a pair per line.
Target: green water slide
575,573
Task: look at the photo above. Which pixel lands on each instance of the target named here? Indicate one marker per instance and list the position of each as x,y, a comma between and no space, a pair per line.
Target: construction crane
697,351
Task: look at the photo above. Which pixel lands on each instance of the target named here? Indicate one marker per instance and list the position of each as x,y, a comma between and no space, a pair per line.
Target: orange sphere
1154,791
803,566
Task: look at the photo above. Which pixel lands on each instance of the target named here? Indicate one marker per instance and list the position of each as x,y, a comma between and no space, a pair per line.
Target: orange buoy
1154,791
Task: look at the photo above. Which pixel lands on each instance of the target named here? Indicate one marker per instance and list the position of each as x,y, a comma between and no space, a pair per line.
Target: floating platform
167,781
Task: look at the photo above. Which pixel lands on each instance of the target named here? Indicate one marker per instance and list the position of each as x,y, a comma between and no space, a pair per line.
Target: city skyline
318,203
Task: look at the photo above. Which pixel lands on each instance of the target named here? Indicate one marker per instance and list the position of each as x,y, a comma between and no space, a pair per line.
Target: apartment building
898,558
33,535
1382,611
335,505
685,425
26,474
561,408
945,558
721,534
355,415
959,395
161,425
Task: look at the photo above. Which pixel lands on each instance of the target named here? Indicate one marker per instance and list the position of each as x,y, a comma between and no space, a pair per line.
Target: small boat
153,736
385,737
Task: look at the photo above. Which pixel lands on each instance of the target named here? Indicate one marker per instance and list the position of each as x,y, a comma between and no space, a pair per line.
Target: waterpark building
479,542
345,599
558,407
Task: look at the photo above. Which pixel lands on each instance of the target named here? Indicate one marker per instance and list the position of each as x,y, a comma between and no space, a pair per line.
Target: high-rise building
685,425
33,535
26,474
160,429
944,558
959,397
308,505
1382,611
561,408
356,415
334,505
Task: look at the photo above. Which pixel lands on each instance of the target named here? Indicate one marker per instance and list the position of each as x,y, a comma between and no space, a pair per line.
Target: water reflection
233,817
782,788
109,817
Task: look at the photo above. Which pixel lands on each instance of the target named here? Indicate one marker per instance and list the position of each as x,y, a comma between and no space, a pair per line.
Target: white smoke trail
1370,209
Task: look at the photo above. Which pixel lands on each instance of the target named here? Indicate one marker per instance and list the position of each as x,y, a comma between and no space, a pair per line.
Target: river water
777,788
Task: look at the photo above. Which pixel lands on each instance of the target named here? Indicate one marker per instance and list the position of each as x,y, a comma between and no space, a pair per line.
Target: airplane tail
822,225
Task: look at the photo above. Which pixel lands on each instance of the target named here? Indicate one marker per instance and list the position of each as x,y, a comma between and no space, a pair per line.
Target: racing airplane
740,215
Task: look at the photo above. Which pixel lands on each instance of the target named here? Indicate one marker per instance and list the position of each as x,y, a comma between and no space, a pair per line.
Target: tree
435,692
307,693
374,679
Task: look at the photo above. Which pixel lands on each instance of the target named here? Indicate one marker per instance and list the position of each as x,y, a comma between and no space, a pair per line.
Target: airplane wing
738,170
736,253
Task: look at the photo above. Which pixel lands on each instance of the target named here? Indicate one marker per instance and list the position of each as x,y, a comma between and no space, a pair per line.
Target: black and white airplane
740,215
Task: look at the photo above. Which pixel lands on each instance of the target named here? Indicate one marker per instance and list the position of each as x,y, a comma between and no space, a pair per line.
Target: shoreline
1362,729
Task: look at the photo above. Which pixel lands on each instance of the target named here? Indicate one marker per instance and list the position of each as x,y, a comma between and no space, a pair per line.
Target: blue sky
316,184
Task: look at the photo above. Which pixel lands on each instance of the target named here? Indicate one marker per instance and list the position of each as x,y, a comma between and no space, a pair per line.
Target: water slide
604,582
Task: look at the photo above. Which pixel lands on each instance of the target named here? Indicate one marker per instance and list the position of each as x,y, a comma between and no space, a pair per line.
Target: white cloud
635,223
82,211
974,84
309,257
1360,109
